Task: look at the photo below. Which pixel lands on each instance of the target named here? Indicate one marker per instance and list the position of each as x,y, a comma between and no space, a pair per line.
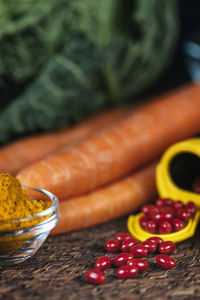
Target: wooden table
57,271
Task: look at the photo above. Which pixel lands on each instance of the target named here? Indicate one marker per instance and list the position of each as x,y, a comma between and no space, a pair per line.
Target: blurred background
177,72
64,60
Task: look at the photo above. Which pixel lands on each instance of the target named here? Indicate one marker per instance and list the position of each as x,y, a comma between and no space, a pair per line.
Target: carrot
138,139
107,203
17,155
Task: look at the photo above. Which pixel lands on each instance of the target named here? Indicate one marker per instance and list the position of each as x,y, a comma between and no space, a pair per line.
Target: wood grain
57,271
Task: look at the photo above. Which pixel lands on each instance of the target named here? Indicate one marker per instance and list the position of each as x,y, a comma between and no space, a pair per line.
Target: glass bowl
21,238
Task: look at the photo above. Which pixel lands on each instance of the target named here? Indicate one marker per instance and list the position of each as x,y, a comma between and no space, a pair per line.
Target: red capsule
151,226
162,216
143,222
140,263
157,217
103,263
167,247
168,209
155,239
151,246
127,244
165,261
165,227
112,245
149,209
122,259
178,205
139,250
95,276
163,202
123,236
169,215
127,271
178,224
191,208
196,186
183,215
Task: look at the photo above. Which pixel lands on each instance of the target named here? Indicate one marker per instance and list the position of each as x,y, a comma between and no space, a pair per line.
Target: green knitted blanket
61,60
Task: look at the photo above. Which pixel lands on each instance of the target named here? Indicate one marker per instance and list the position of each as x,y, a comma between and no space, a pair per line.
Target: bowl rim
46,212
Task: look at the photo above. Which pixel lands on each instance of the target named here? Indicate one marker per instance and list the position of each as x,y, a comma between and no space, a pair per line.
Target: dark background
189,24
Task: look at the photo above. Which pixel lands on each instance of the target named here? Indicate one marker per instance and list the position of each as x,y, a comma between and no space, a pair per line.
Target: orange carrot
138,139
17,155
107,203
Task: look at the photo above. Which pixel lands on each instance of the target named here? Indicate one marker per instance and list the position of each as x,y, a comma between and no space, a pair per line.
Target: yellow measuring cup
180,161
142,235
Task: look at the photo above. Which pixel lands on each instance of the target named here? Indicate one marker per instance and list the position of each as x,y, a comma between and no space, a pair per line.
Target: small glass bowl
21,238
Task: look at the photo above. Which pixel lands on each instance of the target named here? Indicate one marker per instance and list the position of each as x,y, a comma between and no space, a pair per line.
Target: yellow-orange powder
14,202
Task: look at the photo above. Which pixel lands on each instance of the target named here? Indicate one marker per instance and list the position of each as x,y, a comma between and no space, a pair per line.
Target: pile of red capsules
166,216
129,261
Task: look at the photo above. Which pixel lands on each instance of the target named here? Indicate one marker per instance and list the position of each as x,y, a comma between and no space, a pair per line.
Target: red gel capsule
149,209
183,215
157,217
196,186
169,215
127,244
155,239
167,247
151,226
95,276
141,264
178,205
112,245
103,263
139,250
151,246
143,222
123,236
165,227
162,216
177,224
163,202
191,208
122,259
165,261
127,271
168,209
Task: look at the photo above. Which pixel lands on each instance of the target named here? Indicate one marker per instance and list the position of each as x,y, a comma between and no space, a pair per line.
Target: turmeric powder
14,202
14,205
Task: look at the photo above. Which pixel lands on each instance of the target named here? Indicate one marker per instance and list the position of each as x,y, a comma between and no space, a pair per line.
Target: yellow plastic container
142,235
177,169
167,187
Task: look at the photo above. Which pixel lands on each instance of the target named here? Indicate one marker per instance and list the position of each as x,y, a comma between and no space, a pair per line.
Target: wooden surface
57,271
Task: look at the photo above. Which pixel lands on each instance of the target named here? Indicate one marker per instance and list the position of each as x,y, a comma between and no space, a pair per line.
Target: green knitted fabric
61,60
